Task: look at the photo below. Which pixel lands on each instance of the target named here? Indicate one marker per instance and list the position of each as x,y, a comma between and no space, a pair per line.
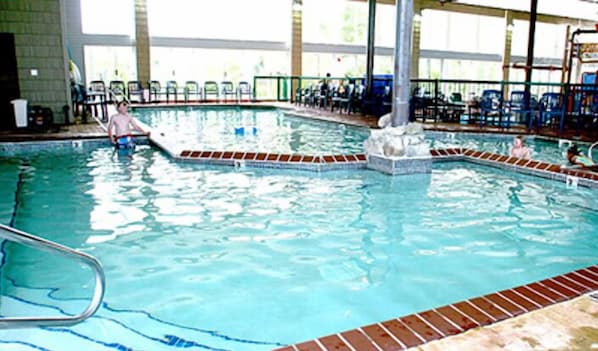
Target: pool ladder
21,237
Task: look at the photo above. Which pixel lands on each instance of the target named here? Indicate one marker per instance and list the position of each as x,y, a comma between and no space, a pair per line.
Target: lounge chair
192,89
117,91
210,88
135,90
156,91
244,88
172,90
227,90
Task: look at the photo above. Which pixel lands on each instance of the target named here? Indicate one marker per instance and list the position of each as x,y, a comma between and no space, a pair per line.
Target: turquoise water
231,129
217,258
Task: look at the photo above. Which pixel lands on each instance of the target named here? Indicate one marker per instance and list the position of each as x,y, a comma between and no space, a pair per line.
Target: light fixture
417,17
297,5
510,27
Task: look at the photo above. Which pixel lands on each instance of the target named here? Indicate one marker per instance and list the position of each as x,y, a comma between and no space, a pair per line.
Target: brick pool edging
437,323
358,161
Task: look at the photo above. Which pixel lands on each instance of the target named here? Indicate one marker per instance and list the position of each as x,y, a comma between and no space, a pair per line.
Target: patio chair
516,106
244,88
491,106
117,91
135,89
551,111
227,89
210,88
192,89
172,89
156,91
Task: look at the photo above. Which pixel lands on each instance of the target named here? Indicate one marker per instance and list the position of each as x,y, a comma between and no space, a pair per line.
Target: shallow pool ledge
400,166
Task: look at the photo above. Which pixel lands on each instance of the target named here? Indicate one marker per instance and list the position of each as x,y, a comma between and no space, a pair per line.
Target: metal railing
21,237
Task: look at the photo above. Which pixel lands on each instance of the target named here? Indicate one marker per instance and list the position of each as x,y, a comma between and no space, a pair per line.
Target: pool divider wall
400,166
359,161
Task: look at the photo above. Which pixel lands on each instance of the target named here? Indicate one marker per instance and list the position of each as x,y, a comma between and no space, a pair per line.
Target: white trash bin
20,107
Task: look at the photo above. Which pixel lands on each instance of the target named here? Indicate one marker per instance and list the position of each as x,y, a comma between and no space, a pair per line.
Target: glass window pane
434,29
385,25
224,19
182,64
108,17
110,63
335,22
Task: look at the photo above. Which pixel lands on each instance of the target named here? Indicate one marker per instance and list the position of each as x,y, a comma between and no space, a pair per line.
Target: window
182,64
548,42
224,19
335,22
110,63
115,17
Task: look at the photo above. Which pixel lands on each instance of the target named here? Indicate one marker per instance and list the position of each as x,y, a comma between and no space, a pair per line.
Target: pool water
217,258
271,130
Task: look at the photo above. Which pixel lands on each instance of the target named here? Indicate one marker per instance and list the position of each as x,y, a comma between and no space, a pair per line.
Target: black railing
485,102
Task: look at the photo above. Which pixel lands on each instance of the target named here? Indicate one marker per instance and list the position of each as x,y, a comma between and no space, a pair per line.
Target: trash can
20,107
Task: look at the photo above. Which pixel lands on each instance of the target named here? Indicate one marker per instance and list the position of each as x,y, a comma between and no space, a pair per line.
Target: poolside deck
92,129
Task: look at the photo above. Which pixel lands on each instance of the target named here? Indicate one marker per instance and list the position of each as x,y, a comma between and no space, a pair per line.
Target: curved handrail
590,150
50,246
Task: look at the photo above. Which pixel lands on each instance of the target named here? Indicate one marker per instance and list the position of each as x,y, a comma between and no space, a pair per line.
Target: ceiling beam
491,11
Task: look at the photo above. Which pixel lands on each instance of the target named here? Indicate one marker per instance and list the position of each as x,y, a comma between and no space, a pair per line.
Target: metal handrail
590,150
50,246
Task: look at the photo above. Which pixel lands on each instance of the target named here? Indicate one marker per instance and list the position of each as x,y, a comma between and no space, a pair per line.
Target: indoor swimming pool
274,131
220,258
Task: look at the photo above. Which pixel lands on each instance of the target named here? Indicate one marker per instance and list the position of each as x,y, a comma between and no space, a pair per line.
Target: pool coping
321,163
456,318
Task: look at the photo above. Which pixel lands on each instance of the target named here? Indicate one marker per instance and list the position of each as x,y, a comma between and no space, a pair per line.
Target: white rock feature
397,142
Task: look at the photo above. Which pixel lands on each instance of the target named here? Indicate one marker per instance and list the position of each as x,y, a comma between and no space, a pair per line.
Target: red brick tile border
323,162
420,328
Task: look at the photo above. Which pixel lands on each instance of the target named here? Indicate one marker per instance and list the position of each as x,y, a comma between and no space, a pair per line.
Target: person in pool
123,124
519,149
577,158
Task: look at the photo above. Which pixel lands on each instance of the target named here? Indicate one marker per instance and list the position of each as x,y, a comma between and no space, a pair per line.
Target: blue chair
490,105
551,108
517,106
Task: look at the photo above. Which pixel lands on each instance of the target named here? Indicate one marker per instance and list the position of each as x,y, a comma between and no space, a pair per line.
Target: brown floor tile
573,286
568,293
457,318
490,308
308,346
334,343
439,322
521,301
473,313
546,292
421,328
358,341
381,338
539,299
592,285
504,304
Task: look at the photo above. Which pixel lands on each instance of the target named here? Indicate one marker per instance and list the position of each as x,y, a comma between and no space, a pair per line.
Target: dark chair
156,91
516,106
96,96
117,91
172,89
244,89
210,88
491,106
135,90
227,89
192,89
551,111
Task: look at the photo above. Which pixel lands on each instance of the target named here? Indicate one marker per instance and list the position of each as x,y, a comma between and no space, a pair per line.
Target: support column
416,35
369,73
142,42
506,56
533,13
296,46
400,103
